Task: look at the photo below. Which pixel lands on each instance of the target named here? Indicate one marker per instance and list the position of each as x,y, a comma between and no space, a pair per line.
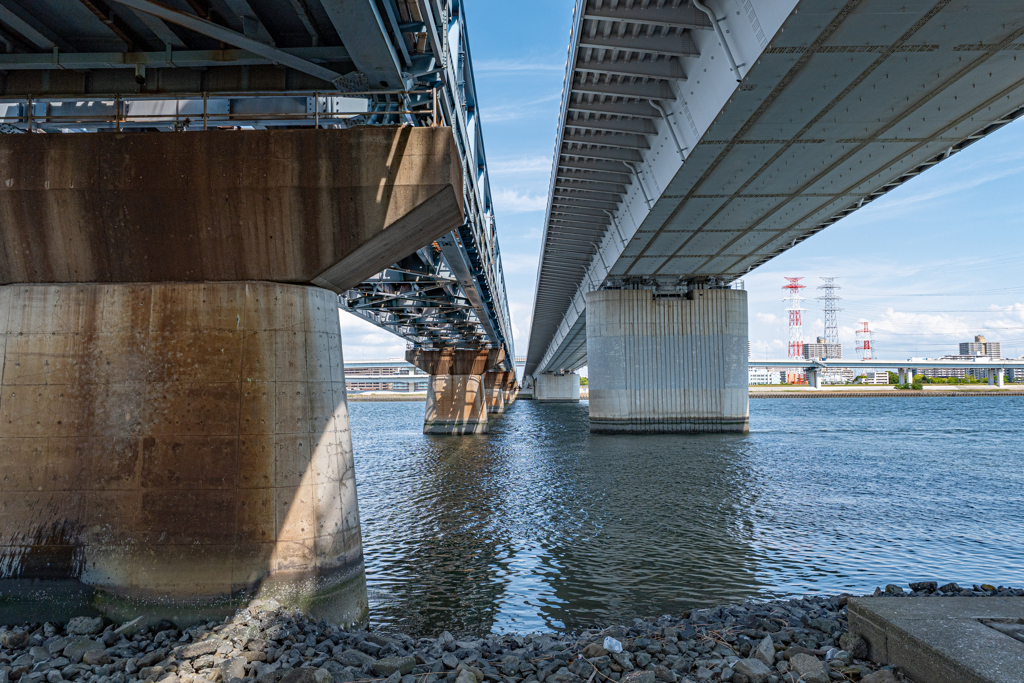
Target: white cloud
511,201
499,66
767,318
361,340
517,165
518,264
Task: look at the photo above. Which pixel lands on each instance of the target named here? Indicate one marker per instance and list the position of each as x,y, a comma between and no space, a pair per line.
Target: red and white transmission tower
864,345
796,325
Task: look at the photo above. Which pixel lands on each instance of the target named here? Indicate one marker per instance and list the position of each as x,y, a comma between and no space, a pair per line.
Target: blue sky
929,265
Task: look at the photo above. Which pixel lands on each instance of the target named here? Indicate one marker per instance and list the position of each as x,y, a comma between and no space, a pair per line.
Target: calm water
541,525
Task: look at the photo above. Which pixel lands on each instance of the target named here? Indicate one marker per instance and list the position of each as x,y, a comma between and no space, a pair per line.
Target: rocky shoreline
804,639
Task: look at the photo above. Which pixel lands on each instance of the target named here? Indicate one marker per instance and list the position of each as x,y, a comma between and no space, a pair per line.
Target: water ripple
542,525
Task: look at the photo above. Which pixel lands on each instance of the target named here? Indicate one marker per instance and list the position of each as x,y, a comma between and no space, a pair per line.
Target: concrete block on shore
938,641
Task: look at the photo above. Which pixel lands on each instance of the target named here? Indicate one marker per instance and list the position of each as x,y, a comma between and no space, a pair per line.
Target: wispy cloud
888,207
517,165
510,201
518,65
518,109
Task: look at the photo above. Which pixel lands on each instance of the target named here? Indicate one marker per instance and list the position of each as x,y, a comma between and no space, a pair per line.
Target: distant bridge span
699,140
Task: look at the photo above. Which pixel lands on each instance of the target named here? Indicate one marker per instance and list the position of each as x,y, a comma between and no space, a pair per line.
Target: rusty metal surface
276,205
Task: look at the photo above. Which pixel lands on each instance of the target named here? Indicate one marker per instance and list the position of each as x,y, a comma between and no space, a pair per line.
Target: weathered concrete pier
173,423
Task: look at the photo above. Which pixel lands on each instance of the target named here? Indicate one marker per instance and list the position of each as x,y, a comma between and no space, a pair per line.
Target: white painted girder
847,101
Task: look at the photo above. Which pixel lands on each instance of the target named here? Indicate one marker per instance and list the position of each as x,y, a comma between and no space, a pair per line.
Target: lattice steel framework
796,329
830,309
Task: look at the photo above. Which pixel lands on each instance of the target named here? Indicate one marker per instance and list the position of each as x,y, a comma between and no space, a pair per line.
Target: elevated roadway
696,141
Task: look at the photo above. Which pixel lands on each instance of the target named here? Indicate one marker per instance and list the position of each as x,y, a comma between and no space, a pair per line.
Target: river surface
541,525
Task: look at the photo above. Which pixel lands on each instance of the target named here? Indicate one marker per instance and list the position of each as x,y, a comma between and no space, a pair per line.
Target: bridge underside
174,429
678,172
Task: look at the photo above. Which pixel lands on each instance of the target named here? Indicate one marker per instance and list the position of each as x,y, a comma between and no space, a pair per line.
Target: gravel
803,639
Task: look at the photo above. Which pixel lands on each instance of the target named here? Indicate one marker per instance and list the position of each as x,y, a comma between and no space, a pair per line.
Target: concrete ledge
942,640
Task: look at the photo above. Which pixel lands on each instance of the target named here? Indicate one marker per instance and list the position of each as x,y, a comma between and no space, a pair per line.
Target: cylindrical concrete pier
175,449
494,394
667,363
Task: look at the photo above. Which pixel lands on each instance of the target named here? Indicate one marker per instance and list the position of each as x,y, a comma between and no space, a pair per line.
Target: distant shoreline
881,393
764,393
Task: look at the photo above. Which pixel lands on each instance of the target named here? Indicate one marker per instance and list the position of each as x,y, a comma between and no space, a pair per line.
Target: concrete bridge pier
667,363
558,388
814,378
174,434
494,395
510,388
456,398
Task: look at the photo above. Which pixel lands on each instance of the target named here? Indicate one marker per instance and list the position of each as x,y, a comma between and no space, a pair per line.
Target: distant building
763,376
980,347
819,350
876,378
384,375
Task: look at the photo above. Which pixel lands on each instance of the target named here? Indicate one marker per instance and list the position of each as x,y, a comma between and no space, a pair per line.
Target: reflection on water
541,525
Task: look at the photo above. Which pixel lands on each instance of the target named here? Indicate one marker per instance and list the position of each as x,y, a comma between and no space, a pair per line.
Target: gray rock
170,678
623,660
925,586
339,674
893,589
765,651
449,660
39,654
950,588
753,669
130,628
466,676
77,648
233,668
96,658
151,672
638,677
396,677
54,676
854,644
881,676
510,665
193,650
389,665
84,626
355,658
810,669
308,675
13,640
272,676
151,658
